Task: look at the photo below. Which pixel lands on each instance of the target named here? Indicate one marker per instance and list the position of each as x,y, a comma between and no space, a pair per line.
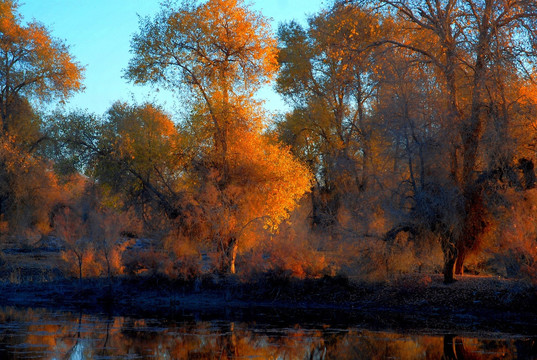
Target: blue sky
98,33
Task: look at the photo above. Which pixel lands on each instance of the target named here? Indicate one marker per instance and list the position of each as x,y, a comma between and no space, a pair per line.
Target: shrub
145,261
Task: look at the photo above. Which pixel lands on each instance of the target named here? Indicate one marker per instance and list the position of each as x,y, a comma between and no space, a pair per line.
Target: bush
187,268
150,262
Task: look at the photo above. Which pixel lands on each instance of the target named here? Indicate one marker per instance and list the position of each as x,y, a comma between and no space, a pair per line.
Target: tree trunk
459,268
228,256
80,268
475,225
449,266
108,266
450,258
472,129
528,172
233,247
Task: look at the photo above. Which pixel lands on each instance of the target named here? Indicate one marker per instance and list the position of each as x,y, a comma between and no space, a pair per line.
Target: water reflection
41,334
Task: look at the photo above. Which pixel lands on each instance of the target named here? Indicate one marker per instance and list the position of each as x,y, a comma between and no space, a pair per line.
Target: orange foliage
147,262
514,243
269,179
205,34
224,52
46,70
71,228
29,187
105,227
144,135
186,260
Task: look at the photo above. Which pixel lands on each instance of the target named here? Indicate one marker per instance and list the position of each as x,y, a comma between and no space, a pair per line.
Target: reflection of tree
66,336
76,348
458,348
104,351
449,347
227,343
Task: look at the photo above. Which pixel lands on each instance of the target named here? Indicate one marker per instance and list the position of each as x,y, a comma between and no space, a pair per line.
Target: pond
27,333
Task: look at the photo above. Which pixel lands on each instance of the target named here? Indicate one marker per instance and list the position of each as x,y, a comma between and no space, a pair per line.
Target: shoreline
471,304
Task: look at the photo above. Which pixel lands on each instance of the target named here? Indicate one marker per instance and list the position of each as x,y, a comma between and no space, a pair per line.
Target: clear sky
98,33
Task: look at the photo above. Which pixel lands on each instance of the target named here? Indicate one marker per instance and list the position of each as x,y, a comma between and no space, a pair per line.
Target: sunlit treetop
210,46
143,134
32,62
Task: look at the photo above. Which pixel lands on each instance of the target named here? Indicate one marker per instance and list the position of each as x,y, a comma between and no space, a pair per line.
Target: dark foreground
37,334
481,304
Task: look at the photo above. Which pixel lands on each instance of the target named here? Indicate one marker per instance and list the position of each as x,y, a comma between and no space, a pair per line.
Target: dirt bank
412,302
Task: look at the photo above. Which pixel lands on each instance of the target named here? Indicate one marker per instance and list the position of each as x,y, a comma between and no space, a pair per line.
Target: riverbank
482,303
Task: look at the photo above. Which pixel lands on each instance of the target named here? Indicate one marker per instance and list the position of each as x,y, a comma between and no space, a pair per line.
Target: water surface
46,334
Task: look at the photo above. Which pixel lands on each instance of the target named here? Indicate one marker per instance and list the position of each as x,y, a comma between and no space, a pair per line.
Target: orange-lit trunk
459,268
233,256
108,269
454,348
228,256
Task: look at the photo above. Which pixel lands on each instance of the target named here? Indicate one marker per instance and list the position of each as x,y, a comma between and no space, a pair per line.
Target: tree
475,46
74,142
28,190
71,227
133,152
328,73
33,65
105,229
139,157
222,52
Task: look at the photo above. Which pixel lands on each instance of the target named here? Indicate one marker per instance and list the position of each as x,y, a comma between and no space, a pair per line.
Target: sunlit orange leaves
223,52
34,63
271,181
144,134
216,44
29,189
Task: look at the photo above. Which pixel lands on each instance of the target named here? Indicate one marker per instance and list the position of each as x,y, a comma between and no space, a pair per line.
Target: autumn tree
139,157
221,52
106,227
33,66
328,75
478,48
133,152
28,190
71,227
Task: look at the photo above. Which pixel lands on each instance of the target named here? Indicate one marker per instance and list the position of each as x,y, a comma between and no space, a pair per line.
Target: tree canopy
410,127
224,51
33,64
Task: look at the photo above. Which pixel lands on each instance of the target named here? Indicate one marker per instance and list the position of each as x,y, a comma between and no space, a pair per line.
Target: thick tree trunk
228,256
108,269
459,264
449,266
315,217
528,173
475,224
450,258
472,129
